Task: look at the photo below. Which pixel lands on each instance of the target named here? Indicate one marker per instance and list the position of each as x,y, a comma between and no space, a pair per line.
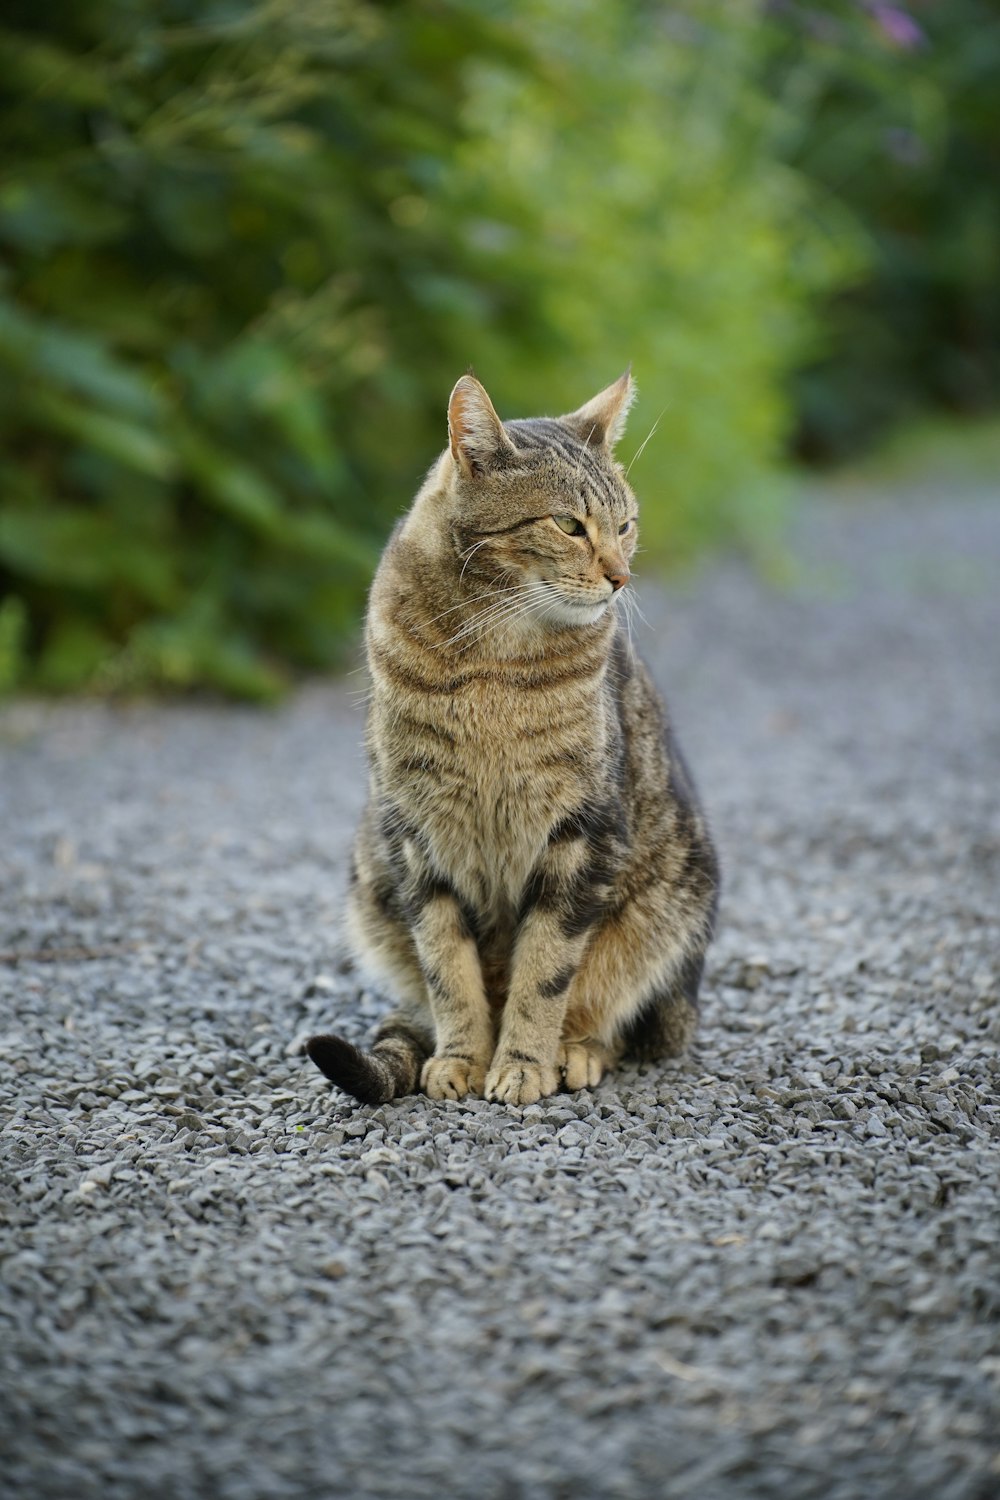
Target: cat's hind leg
583,1061
631,997
665,1024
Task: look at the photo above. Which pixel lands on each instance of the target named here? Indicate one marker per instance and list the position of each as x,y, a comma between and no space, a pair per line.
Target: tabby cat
532,876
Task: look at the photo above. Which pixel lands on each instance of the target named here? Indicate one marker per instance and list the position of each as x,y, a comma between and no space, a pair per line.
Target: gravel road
771,1269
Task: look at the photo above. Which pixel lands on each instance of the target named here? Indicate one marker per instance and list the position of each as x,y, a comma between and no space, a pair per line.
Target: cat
533,876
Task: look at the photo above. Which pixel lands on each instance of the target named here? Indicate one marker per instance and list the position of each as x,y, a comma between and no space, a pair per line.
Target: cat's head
540,505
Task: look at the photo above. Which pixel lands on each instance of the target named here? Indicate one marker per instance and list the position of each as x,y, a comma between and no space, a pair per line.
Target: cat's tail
391,1068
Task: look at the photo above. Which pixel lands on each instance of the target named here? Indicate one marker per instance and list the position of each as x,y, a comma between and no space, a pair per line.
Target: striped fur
533,877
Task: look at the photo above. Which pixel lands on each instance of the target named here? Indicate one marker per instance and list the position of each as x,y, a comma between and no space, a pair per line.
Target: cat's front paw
451,1077
520,1083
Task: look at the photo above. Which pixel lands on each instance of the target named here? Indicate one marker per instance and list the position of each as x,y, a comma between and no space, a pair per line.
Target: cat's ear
478,440
602,421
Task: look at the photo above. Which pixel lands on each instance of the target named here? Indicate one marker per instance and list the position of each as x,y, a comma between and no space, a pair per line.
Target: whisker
486,594
494,622
509,603
471,553
645,440
525,603
628,628
633,603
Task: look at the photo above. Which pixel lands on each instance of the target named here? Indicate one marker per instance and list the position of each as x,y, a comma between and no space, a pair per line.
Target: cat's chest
486,773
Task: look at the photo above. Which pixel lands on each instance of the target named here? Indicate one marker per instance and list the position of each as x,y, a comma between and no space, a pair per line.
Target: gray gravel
770,1269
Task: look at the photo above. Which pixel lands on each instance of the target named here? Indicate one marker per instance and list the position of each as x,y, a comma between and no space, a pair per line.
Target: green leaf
75,548
229,485
47,352
132,445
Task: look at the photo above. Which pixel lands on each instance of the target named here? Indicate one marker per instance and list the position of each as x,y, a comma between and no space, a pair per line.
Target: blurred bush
896,114
215,324
247,249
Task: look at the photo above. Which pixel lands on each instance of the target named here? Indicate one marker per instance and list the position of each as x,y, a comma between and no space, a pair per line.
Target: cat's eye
624,527
570,525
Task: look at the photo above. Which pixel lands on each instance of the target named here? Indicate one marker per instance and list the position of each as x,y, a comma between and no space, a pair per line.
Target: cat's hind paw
451,1078
582,1064
520,1083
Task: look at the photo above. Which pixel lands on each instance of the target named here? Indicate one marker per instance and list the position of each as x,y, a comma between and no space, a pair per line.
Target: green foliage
13,627
663,223
248,248
897,116
952,453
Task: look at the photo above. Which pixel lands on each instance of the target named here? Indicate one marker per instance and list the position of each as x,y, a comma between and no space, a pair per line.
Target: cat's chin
567,612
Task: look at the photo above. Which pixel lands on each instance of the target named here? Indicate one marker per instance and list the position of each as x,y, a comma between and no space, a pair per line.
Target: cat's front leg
560,906
526,1063
463,1026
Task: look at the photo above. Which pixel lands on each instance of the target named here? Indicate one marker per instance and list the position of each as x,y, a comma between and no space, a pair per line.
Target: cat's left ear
602,421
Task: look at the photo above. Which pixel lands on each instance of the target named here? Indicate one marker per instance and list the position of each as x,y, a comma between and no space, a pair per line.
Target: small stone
297,1046
320,984
755,969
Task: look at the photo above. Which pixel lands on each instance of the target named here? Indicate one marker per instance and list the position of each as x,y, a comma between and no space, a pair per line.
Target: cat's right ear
478,440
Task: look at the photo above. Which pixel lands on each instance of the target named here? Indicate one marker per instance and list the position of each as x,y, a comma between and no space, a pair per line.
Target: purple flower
898,27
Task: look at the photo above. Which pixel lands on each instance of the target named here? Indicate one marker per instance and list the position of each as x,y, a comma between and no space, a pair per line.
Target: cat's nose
619,578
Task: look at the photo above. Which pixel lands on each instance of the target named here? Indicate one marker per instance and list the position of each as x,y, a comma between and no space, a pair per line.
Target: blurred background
246,249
